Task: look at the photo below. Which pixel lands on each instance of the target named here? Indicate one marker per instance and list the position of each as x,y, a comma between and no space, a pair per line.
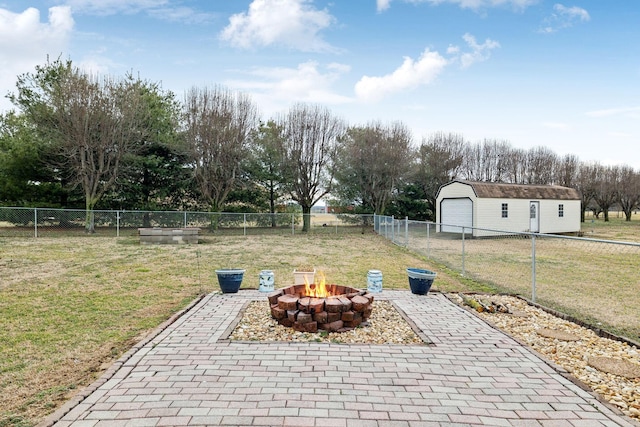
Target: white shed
507,207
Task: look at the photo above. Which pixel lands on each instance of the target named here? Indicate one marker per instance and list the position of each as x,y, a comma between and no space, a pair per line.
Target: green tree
24,178
265,165
372,162
153,174
410,202
92,122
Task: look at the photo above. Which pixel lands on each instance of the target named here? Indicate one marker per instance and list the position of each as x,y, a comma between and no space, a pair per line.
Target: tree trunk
89,226
272,205
306,218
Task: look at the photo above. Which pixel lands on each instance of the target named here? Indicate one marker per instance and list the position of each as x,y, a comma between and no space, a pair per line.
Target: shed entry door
456,213
534,217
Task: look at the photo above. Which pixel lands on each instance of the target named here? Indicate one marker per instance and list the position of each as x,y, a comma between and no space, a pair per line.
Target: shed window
560,210
505,210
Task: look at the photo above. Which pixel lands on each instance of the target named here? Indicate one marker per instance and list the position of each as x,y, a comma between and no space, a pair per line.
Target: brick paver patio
473,374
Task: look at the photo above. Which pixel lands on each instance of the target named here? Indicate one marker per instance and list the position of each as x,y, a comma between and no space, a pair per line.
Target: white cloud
277,88
631,112
623,135
557,126
424,71
409,75
111,7
382,5
563,17
158,9
25,42
180,14
291,23
479,52
465,4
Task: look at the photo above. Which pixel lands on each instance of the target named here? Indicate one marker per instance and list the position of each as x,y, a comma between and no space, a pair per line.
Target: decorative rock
615,366
556,334
573,356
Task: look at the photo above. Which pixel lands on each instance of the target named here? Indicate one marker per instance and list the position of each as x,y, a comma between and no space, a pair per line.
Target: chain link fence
37,222
593,280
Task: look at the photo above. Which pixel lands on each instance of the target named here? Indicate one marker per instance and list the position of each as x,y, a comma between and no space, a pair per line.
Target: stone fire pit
346,309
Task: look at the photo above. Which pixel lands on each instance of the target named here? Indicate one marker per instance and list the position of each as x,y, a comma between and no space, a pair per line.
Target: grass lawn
71,306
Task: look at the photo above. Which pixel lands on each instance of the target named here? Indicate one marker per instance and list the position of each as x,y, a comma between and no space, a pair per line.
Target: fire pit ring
346,308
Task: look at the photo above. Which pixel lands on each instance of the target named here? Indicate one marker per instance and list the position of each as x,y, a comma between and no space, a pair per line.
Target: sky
535,73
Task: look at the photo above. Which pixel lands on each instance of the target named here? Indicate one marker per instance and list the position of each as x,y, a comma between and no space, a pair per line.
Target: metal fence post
533,268
393,229
117,223
293,225
463,272
406,231
35,222
244,224
428,240
185,219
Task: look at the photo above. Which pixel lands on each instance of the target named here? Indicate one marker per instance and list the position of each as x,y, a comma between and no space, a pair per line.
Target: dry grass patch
71,306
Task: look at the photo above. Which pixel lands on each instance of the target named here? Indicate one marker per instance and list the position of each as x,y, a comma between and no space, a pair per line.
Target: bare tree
515,160
605,189
308,153
372,160
586,184
488,161
217,127
567,171
93,122
541,166
628,190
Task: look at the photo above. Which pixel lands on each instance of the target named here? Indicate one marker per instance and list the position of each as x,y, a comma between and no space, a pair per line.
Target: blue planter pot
420,280
230,279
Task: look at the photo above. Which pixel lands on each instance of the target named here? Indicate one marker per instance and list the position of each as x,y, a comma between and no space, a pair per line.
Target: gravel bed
572,348
532,326
385,326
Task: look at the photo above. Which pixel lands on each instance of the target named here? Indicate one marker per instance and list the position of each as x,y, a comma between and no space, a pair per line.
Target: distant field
595,281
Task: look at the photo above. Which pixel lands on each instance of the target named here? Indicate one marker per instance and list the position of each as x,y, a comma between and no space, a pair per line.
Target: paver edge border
77,399
559,369
416,330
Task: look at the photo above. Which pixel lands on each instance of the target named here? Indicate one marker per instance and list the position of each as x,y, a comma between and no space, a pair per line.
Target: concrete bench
168,236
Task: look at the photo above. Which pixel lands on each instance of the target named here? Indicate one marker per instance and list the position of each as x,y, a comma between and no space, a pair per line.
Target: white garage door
456,213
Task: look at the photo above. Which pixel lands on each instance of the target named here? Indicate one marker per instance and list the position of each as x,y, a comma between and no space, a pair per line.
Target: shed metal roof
494,190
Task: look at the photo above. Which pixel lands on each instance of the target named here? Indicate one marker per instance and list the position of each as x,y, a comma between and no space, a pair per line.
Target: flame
317,290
